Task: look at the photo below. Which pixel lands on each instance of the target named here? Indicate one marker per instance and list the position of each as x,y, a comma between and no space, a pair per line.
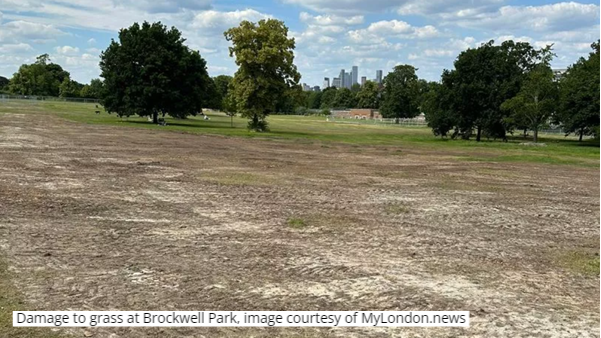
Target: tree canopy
579,96
150,71
41,78
265,56
536,101
482,80
369,96
401,93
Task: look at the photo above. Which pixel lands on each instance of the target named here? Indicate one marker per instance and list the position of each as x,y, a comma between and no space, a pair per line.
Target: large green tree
265,56
401,93
41,78
344,98
69,88
328,96
222,84
579,96
150,71
536,101
482,80
92,90
369,96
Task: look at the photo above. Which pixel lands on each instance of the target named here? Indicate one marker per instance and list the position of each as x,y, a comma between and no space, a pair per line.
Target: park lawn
310,129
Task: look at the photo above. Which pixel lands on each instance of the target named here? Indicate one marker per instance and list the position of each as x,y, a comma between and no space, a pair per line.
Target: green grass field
558,149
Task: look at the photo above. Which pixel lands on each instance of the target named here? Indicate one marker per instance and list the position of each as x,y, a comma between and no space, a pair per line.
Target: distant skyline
330,35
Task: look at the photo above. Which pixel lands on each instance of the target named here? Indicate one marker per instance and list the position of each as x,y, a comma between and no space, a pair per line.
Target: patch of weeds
397,209
581,262
296,223
11,300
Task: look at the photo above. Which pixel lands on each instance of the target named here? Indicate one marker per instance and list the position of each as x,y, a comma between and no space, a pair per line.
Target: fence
415,122
32,98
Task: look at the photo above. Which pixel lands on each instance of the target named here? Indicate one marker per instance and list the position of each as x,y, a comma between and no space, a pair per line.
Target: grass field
558,150
97,213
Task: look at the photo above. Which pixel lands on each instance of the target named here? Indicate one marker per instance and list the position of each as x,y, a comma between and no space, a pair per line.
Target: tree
265,57
536,100
439,118
92,90
579,96
150,71
327,97
369,96
482,80
355,88
314,100
69,88
344,99
401,93
41,78
222,83
3,83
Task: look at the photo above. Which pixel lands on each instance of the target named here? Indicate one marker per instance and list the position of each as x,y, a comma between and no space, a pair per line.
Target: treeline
494,90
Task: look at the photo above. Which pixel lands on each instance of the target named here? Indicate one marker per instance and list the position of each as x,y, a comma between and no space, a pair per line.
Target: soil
108,218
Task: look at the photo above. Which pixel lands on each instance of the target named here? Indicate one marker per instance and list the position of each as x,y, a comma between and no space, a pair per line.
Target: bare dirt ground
106,218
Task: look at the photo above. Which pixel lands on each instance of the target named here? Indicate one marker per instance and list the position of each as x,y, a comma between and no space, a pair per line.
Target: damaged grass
11,300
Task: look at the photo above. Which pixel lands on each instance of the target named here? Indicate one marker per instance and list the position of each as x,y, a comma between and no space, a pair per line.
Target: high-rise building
316,89
306,87
354,75
363,80
347,80
336,82
378,76
342,79
326,82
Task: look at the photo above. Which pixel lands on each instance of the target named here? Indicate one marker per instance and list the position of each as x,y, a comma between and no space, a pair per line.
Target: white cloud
66,50
325,20
18,31
561,16
218,22
16,48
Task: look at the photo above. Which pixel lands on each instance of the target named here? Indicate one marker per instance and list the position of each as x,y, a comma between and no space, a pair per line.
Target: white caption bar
240,318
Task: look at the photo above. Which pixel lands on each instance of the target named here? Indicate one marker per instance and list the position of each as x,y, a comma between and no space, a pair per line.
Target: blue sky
330,35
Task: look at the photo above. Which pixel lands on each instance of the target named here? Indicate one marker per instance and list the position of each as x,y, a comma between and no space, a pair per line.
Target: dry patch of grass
11,300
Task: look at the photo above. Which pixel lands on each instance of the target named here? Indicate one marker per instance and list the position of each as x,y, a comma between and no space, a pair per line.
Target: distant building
306,87
378,76
363,80
336,83
342,78
354,75
348,80
316,89
326,82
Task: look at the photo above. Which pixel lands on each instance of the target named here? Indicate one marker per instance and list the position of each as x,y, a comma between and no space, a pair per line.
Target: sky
330,34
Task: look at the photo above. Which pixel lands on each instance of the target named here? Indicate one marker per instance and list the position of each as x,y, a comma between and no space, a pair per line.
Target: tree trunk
581,133
479,134
535,134
155,117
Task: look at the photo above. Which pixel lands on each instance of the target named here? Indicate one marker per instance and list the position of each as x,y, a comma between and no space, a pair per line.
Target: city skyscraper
336,82
341,77
378,76
354,75
326,82
347,80
363,80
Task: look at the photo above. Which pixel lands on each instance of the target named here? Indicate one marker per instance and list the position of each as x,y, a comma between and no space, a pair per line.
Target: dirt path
104,218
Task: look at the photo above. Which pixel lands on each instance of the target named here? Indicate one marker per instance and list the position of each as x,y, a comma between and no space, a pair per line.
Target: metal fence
35,98
416,122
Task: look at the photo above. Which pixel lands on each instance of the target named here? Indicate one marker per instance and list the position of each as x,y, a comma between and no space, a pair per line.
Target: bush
326,112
